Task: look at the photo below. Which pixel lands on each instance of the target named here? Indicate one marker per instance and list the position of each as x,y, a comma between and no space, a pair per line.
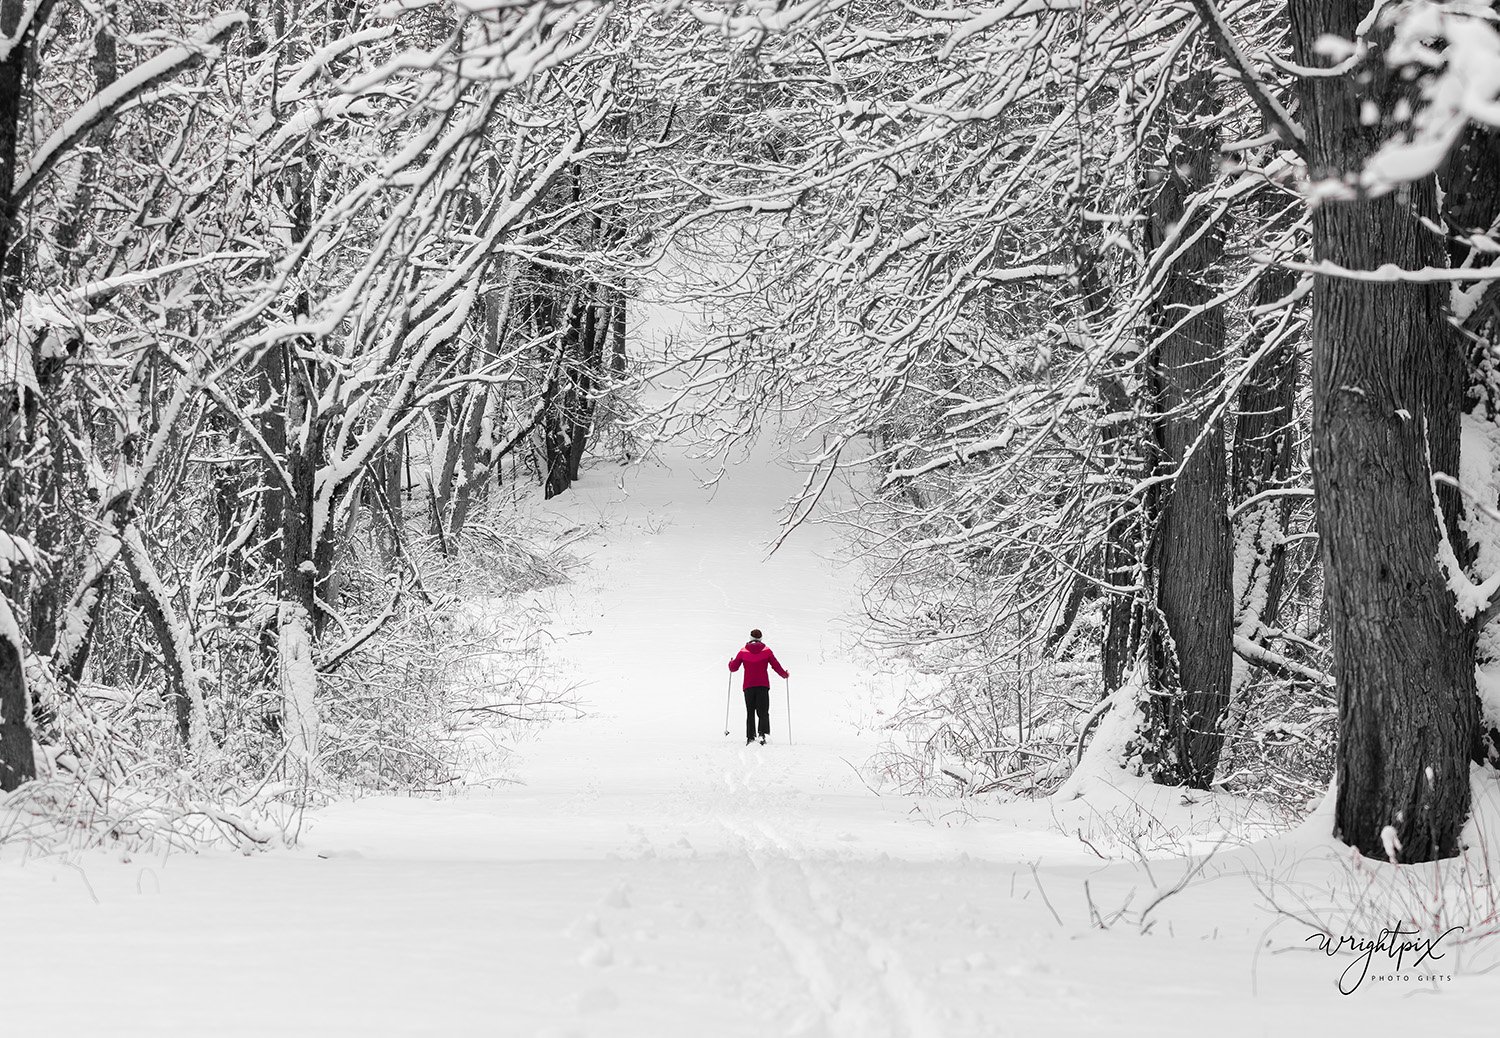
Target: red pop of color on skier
757,657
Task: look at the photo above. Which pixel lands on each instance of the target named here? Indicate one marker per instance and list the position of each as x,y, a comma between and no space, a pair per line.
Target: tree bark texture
17,760
1388,380
1265,433
1119,556
1191,647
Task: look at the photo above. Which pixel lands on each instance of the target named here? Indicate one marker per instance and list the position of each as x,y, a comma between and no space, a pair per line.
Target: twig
1043,891
329,663
1272,110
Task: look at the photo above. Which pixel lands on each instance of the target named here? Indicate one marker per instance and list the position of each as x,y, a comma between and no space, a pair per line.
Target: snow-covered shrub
428,702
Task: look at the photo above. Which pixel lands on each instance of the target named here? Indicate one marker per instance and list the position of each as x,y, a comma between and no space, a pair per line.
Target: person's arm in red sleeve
777,665
734,664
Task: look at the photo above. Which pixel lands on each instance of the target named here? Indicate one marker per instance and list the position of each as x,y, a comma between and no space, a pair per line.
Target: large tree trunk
1121,555
1264,436
564,317
618,361
1388,378
1120,450
587,373
1191,649
1470,182
17,762
385,488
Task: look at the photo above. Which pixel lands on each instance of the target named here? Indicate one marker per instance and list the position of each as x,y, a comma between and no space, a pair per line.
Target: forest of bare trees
1161,334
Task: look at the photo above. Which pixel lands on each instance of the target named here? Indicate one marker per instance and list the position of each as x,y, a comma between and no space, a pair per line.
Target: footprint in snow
619,897
598,954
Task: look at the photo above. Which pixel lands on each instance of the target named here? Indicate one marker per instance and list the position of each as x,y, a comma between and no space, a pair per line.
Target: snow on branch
1253,652
327,663
1271,109
1391,273
134,83
32,16
1458,43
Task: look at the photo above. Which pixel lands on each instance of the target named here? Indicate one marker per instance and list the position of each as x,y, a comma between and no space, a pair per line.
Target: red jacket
756,656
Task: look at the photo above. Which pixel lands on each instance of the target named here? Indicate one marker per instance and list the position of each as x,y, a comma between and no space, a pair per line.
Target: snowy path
653,878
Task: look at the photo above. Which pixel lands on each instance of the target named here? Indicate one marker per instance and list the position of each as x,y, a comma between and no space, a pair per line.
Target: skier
757,656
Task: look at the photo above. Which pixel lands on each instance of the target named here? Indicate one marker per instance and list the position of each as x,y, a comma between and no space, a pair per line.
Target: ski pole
788,711
728,691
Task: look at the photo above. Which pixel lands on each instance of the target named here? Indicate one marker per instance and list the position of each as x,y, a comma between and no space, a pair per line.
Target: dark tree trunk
270,379
1388,379
617,358
308,540
471,474
1470,181
1191,648
150,595
13,89
386,510
564,319
587,372
1264,437
299,571
450,426
307,547
17,761
1120,558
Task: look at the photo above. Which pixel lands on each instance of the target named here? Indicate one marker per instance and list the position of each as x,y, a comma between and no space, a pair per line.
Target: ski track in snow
648,877
861,986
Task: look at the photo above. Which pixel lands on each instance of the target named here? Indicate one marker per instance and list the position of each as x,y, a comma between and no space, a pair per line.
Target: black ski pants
757,706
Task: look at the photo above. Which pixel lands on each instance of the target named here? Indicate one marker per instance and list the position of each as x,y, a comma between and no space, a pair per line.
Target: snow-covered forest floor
646,875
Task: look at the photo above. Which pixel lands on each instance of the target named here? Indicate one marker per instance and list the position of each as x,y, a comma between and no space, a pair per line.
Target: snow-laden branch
1275,662
327,663
1390,273
135,82
1458,45
176,641
33,15
1267,495
1271,109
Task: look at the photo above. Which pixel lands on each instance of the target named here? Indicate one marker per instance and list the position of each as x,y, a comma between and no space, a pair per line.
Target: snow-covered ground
650,877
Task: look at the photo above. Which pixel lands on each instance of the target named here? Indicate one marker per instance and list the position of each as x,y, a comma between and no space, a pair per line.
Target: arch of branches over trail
288,291
1161,326
1167,331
